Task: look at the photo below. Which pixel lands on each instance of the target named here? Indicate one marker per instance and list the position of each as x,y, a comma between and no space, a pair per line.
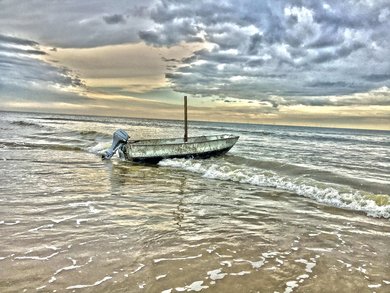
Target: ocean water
288,209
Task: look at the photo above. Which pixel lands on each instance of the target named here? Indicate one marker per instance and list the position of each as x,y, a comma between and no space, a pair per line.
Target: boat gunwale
139,142
156,159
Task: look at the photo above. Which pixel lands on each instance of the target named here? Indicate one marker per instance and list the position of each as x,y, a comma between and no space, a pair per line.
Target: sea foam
329,194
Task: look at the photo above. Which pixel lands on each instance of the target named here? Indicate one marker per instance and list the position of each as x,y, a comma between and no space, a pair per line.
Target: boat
154,150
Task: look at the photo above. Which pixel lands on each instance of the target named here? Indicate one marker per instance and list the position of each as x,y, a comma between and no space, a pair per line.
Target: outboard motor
119,139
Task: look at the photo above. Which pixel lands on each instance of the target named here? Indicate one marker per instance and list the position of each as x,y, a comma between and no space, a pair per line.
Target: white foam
87,242
309,265
91,285
160,277
177,258
93,210
242,273
319,249
216,274
43,227
304,276
88,204
142,285
52,279
68,268
81,204
270,254
255,264
79,221
137,269
223,255
290,285
374,286
210,250
37,257
362,270
327,194
279,261
57,221
10,224
195,286
344,263
52,247
227,263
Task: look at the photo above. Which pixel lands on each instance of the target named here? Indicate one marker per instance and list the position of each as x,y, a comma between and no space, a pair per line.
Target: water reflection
178,214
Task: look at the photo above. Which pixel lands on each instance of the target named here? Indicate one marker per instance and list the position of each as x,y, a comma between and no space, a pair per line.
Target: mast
185,120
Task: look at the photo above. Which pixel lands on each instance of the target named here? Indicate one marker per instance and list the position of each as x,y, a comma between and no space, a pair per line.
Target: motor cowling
120,138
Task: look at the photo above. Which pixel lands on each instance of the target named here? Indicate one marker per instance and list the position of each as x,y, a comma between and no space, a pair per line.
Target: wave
374,205
382,139
339,137
90,134
24,145
60,139
25,123
316,172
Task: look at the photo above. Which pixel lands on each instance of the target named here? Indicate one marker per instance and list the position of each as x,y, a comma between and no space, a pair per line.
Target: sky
297,62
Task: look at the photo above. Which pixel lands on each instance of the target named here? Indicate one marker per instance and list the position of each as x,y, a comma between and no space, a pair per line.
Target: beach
288,209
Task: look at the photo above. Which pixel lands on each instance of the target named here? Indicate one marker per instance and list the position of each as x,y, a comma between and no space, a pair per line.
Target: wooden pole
185,120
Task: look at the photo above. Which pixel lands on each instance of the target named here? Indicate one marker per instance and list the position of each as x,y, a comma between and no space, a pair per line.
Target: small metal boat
154,150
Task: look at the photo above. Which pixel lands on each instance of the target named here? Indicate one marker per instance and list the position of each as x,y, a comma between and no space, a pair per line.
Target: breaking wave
374,205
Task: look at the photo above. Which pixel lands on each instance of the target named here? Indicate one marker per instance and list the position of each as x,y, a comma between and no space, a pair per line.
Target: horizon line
208,121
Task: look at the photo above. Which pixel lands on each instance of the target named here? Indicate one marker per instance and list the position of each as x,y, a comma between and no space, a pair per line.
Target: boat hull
153,151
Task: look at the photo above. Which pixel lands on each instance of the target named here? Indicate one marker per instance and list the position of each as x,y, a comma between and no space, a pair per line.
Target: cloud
114,19
377,77
244,58
26,76
75,24
376,97
17,41
11,50
303,51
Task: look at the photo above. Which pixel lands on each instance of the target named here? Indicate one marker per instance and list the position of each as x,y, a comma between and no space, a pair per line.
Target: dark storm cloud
114,19
302,50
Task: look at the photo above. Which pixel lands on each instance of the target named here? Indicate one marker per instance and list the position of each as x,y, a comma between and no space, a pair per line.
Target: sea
287,209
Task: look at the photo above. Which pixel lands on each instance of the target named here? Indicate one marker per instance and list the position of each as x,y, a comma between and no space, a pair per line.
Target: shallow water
289,209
